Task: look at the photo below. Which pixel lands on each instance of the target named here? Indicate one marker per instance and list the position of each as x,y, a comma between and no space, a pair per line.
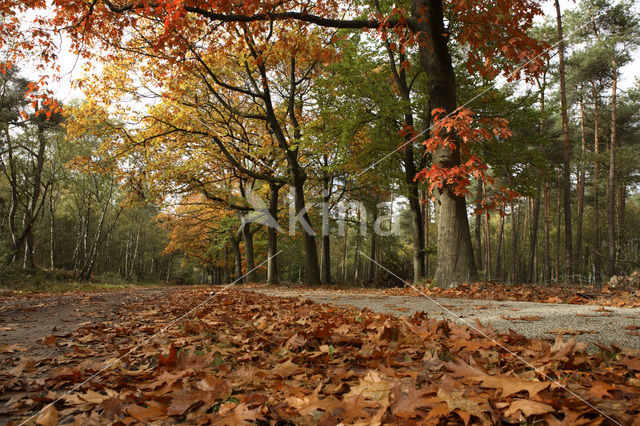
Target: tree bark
498,273
456,263
547,238
344,248
597,246
622,198
247,237
581,184
611,187
478,226
533,242
559,225
514,243
237,256
272,235
427,235
566,166
417,234
356,251
372,248
325,268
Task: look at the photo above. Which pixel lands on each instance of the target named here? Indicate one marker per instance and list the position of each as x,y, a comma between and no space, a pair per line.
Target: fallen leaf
456,401
528,407
49,416
373,386
512,385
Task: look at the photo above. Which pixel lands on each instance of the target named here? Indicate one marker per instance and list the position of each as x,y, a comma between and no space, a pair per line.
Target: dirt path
27,320
541,320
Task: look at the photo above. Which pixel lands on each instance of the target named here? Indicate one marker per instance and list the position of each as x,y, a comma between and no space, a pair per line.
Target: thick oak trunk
456,263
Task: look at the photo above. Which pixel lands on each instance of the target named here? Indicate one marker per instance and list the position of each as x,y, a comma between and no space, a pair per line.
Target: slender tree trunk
237,256
559,226
622,197
427,235
487,246
51,231
456,263
566,166
372,248
356,252
581,184
247,237
325,269
547,230
478,226
533,242
272,235
514,243
417,234
611,187
344,248
498,273
597,238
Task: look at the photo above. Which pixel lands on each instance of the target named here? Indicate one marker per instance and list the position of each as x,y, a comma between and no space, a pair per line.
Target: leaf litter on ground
247,358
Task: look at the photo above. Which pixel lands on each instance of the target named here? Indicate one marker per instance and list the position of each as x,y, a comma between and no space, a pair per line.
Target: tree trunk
312,268
456,263
566,166
547,238
51,232
498,274
237,256
611,187
597,246
622,197
559,225
478,227
372,249
487,246
427,220
356,251
325,269
344,248
581,183
417,234
533,242
247,237
272,235
514,243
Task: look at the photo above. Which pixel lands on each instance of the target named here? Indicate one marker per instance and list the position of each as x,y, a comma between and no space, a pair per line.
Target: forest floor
259,357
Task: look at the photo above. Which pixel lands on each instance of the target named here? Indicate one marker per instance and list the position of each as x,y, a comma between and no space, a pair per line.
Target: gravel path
541,320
